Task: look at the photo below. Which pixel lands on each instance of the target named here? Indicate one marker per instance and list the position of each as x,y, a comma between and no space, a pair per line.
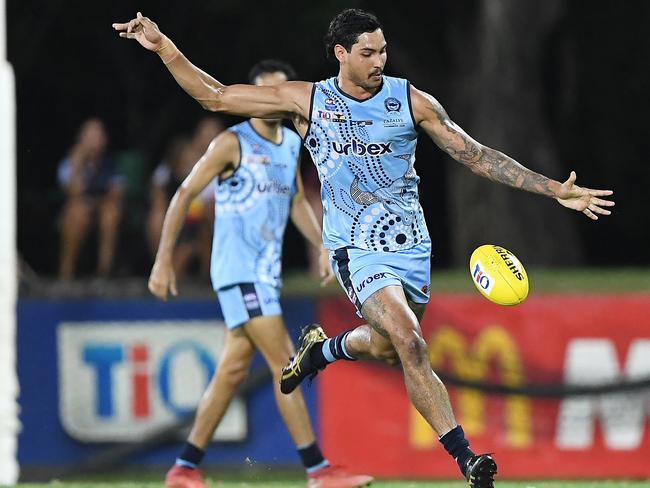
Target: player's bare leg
110,214
74,227
233,368
270,337
388,313
364,342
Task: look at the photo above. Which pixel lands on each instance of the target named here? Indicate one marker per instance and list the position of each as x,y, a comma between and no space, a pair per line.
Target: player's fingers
127,35
134,25
146,21
603,203
120,26
571,180
590,214
172,287
599,193
598,210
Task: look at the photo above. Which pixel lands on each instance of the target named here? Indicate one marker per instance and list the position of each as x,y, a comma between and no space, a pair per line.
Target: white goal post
9,424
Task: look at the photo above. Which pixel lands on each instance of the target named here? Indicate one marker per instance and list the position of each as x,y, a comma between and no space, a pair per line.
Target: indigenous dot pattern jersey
251,209
365,153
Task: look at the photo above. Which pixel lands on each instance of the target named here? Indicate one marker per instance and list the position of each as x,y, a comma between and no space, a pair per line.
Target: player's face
367,58
270,79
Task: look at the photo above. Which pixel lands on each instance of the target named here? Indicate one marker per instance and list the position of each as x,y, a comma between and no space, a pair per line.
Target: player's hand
325,268
143,30
584,200
162,280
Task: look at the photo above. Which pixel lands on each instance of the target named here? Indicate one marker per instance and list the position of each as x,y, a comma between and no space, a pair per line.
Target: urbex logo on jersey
273,187
370,279
361,149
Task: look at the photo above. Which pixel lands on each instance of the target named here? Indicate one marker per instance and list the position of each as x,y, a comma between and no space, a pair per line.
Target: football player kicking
361,128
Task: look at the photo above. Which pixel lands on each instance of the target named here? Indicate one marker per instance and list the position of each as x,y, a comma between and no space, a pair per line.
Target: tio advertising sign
122,380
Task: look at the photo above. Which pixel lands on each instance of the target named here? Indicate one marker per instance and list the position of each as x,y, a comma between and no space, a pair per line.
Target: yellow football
498,275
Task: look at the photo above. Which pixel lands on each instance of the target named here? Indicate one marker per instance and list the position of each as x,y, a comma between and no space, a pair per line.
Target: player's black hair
271,66
346,28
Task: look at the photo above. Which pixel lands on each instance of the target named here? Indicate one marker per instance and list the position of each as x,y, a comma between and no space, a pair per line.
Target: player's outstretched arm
304,218
495,165
220,156
287,100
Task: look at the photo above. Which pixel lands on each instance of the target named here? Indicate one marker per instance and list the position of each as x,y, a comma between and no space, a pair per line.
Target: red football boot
182,477
336,477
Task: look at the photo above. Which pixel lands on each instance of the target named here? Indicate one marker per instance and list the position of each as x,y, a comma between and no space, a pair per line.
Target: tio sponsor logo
119,381
361,149
483,279
370,279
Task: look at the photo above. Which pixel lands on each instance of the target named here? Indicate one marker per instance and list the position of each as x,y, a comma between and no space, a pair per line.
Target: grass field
379,484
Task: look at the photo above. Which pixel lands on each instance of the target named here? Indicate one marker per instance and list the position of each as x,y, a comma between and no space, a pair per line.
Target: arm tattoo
497,166
485,161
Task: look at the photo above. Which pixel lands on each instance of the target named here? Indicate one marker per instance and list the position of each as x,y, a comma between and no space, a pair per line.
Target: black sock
191,456
312,458
457,446
331,350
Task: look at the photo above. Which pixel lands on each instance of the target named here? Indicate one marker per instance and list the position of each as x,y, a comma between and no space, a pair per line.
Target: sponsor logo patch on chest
360,149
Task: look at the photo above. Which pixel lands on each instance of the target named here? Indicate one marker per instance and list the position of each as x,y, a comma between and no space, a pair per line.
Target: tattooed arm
493,164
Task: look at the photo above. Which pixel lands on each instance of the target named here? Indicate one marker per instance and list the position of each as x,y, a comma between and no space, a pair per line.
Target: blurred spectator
93,191
195,239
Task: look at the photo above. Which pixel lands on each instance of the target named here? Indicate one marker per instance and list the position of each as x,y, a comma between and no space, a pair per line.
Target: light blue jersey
365,153
251,210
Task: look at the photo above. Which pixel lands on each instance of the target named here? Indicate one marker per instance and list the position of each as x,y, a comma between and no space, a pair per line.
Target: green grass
596,280
378,484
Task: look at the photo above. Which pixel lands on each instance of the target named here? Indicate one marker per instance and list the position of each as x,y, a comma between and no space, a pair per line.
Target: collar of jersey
336,84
